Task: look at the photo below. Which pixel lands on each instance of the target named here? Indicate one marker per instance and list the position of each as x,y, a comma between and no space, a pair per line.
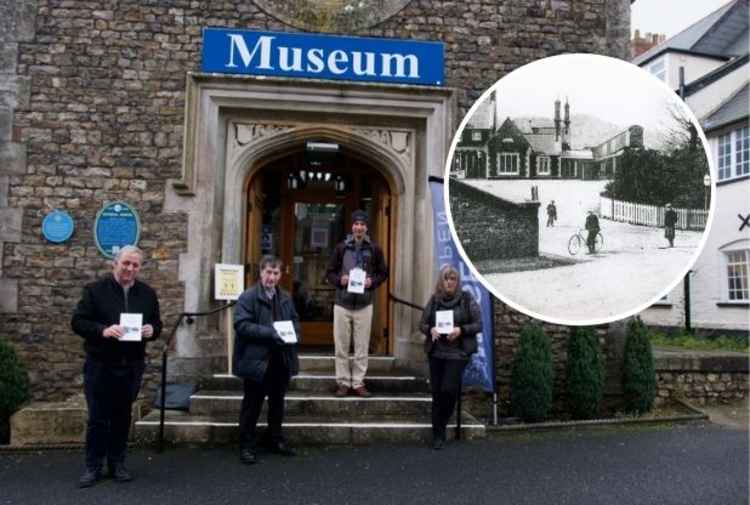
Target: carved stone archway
231,123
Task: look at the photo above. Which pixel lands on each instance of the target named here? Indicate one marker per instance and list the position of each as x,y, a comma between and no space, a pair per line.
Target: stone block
8,295
6,124
51,423
26,20
3,194
12,159
8,57
10,224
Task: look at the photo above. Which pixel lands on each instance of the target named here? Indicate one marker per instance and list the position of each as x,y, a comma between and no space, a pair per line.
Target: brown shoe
341,392
362,391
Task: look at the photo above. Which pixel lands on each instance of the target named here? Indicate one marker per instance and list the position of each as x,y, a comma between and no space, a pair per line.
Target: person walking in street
115,359
357,267
670,221
450,322
551,214
592,227
267,330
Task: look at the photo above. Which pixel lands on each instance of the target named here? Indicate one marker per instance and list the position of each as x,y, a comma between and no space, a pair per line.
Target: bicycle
578,241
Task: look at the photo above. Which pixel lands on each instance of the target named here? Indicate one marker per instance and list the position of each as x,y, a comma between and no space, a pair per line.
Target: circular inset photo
579,189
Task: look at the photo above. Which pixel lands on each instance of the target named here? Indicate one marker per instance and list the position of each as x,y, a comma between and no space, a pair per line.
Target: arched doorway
299,206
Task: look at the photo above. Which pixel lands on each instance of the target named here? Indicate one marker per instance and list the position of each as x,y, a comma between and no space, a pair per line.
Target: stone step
313,404
321,382
186,429
326,363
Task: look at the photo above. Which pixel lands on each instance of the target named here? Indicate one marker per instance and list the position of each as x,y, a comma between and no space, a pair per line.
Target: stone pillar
618,29
16,24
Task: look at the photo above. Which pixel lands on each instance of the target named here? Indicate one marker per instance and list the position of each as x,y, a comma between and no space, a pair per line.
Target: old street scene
552,159
228,272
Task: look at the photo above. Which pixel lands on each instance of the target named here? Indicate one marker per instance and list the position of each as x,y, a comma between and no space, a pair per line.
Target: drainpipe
686,286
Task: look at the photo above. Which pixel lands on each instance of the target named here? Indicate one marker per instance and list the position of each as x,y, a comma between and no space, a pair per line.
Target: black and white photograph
580,189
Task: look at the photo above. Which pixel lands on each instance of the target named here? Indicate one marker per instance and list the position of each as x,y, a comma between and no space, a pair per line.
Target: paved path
683,465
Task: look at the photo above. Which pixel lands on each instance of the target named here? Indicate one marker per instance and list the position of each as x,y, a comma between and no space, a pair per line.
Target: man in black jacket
592,226
265,356
352,311
114,362
670,221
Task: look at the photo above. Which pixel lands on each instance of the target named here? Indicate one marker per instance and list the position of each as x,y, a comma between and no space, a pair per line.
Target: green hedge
585,381
639,377
531,381
14,387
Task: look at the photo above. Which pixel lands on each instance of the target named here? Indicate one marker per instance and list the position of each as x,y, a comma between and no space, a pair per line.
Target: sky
670,16
609,89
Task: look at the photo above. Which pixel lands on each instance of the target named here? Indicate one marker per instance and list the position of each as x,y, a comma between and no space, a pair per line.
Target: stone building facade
104,101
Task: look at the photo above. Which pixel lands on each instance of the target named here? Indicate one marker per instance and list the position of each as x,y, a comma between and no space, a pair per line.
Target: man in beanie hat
357,267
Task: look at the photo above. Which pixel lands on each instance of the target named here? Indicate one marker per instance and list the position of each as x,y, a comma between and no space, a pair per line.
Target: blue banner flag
315,56
481,369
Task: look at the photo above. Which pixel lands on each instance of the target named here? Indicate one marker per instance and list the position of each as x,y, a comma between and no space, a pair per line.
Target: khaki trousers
348,324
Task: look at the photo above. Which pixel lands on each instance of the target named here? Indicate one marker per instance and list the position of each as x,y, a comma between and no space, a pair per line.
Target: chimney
567,117
557,120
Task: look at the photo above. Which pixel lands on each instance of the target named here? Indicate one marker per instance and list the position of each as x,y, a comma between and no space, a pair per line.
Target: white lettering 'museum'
266,56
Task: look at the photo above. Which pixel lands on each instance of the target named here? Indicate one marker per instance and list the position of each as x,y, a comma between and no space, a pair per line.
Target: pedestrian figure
592,226
357,267
448,347
670,220
263,359
115,362
551,214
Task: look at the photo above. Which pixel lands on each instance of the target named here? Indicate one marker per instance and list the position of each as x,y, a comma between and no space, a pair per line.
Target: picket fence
651,215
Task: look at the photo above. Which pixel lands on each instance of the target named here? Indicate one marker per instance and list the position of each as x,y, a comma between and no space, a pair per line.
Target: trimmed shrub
531,381
14,387
585,374
638,375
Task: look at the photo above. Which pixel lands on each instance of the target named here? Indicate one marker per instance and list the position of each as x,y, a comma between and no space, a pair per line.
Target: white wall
695,67
709,98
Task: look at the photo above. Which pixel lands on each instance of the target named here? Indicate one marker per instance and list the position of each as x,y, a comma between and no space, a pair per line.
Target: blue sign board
116,226
57,226
314,56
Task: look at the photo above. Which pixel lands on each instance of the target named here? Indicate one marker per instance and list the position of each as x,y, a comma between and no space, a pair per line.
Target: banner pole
494,409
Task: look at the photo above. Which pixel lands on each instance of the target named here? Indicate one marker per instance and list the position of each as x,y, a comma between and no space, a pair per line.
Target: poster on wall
117,225
229,281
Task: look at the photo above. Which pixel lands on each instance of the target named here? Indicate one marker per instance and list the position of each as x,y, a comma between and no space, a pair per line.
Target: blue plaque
116,226
314,56
57,226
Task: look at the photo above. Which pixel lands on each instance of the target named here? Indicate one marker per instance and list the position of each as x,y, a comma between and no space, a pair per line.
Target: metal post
494,409
163,399
230,338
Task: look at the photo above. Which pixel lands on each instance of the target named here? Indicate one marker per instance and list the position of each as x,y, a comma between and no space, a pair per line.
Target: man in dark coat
114,362
265,359
352,311
670,221
551,214
592,226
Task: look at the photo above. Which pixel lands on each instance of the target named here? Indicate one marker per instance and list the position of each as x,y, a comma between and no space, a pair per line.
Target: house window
742,150
476,136
737,275
725,156
658,69
507,163
542,165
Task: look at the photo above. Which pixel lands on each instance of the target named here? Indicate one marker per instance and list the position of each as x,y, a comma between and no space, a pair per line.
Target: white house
712,57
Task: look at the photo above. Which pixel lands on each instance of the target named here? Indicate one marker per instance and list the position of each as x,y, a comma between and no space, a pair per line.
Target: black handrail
189,319
404,302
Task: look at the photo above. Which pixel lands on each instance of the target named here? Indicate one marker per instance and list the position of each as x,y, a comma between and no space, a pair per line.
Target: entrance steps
398,411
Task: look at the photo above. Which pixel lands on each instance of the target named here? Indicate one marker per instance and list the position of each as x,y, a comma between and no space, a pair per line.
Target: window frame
502,155
744,284
543,161
724,155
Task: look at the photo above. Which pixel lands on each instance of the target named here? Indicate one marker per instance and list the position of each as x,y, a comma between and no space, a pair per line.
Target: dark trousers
445,381
274,385
591,240
110,393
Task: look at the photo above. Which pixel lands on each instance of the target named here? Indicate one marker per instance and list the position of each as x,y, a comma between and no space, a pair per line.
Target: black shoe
438,444
248,457
119,473
282,448
89,478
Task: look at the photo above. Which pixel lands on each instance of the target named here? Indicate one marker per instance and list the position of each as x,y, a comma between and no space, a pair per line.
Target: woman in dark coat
448,349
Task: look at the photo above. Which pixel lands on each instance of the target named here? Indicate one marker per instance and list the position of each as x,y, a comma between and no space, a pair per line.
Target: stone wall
700,377
91,110
491,228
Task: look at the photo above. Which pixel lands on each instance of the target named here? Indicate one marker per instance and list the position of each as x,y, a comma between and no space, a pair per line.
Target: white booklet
285,329
444,321
357,278
132,325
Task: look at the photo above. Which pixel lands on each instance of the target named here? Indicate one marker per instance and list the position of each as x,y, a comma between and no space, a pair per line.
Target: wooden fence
651,215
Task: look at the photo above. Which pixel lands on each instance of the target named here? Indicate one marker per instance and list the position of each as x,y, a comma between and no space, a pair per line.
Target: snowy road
634,268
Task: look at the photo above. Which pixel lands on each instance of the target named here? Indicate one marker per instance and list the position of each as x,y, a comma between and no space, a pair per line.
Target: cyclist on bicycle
592,226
